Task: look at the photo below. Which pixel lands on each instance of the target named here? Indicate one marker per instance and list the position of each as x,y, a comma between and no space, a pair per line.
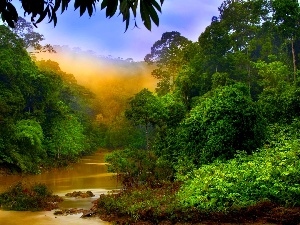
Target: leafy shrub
222,123
143,203
27,150
121,134
136,167
67,139
22,197
272,174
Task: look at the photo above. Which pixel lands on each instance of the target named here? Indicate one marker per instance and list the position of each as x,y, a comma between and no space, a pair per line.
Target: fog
113,80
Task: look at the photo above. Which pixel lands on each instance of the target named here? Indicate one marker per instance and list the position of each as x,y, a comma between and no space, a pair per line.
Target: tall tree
144,110
30,38
287,16
243,20
223,122
169,54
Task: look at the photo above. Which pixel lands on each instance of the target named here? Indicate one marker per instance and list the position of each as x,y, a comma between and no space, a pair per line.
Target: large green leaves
29,132
41,9
148,10
269,175
8,12
84,5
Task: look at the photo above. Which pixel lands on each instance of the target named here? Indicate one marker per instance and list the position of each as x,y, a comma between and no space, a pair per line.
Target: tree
273,74
287,16
29,138
39,9
224,121
30,38
169,54
214,44
242,21
144,110
44,113
279,101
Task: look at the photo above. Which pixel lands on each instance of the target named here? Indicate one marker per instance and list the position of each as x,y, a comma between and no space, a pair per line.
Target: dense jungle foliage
46,117
224,118
222,126
29,197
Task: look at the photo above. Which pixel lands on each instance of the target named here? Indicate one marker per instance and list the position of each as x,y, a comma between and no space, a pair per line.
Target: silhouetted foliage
40,9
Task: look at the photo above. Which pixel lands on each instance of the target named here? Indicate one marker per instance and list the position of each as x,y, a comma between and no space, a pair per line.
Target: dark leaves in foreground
40,9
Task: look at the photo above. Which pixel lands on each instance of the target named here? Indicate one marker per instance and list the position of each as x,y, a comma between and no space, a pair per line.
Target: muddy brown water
88,174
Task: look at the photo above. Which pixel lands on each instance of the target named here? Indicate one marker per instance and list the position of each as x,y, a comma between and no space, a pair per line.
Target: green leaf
77,3
153,14
43,15
2,5
57,5
156,5
127,21
64,5
133,8
82,9
104,4
13,11
53,18
10,23
145,15
90,10
49,13
123,6
111,8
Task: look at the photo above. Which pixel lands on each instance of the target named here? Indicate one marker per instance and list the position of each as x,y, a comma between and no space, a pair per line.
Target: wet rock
58,212
79,194
72,211
88,214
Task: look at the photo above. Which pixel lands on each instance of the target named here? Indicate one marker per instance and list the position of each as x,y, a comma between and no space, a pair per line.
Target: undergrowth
29,197
271,174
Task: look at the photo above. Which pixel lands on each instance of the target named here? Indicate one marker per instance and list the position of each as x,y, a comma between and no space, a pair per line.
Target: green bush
273,174
223,122
151,204
136,167
121,134
27,150
35,197
280,104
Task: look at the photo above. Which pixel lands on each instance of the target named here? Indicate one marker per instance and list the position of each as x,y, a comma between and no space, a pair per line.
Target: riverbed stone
79,194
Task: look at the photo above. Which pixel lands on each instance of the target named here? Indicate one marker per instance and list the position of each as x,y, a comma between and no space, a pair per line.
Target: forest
219,134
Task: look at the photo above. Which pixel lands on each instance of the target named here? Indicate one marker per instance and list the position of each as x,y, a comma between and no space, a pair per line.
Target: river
89,173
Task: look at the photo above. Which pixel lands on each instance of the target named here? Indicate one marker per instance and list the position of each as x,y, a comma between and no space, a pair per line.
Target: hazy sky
107,37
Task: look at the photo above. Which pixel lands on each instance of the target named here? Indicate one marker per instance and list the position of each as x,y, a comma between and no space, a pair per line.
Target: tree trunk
147,138
294,59
249,74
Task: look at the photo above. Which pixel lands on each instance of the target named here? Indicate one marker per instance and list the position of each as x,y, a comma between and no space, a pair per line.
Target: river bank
142,206
89,173
147,206
276,216
153,206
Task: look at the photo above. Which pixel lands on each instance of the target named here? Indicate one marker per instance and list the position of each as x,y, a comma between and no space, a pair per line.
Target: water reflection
88,174
45,218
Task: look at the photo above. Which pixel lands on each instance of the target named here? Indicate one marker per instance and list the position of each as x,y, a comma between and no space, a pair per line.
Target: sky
107,37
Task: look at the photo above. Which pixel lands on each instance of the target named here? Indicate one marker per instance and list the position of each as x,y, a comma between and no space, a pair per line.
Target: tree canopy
41,9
